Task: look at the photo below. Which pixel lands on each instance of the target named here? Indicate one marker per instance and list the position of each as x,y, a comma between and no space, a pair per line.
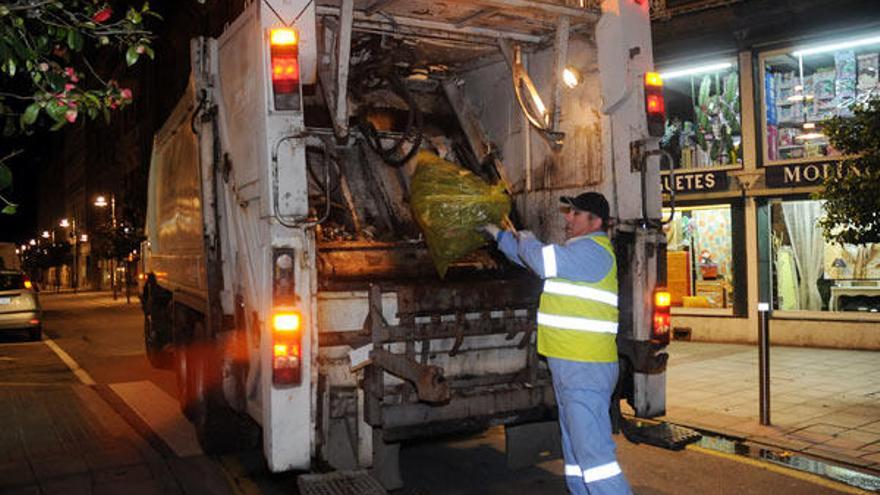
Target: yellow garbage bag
450,203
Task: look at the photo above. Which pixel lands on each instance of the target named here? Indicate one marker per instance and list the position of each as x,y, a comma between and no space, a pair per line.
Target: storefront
745,133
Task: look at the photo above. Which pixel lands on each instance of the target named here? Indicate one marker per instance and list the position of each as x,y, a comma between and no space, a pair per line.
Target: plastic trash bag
450,203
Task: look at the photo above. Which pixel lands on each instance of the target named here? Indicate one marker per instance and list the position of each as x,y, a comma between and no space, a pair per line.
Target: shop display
868,80
812,273
803,90
703,126
703,279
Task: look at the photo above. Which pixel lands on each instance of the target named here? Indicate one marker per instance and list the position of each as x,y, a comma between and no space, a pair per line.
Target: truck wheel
184,382
219,428
157,327
35,333
158,356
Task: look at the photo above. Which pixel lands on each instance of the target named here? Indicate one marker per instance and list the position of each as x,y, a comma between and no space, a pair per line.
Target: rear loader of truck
288,283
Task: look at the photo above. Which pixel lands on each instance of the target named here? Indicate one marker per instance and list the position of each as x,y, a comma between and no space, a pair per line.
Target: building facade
747,86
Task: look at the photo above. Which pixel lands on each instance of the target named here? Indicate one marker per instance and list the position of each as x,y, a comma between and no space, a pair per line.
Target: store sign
804,174
694,182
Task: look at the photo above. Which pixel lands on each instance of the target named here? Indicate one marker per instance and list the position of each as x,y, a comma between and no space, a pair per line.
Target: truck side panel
174,219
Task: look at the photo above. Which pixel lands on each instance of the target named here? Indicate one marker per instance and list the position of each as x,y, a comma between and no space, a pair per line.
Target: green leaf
9,209
131,55
5,176
56,111
74,40
30,114
150,53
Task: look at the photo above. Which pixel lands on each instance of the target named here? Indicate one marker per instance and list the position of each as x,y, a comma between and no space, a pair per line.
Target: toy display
708,132
801,92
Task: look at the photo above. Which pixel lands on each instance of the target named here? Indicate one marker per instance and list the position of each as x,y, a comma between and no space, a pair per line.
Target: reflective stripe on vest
578,320
549,256
567,289
574,323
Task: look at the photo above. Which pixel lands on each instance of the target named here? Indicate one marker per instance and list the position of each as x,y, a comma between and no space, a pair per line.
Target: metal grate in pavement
663,435
339,483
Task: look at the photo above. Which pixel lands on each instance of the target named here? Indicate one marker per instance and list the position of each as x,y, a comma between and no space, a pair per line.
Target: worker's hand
491,230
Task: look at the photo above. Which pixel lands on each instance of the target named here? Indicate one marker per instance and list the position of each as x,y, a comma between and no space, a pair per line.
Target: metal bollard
764,360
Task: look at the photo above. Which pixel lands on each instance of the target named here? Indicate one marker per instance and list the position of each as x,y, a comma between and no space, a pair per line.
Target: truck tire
35,333
156,351
184,381
219,428
157,327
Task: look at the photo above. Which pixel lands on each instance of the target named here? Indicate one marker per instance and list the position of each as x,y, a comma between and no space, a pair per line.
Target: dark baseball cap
592,202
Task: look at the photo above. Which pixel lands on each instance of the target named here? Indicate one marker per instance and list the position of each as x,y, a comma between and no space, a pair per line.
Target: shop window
804,86
811,273
703,115
699,257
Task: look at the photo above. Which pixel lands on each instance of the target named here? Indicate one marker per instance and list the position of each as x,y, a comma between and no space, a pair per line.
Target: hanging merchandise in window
813,274
806,86
703,110
699,257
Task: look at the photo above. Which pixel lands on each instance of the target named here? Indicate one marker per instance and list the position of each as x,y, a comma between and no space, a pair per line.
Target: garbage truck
286,281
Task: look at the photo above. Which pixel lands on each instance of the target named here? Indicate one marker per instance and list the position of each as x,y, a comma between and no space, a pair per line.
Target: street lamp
101,202
64,223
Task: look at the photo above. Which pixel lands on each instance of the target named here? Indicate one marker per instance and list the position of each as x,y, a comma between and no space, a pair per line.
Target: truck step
663,435
339,483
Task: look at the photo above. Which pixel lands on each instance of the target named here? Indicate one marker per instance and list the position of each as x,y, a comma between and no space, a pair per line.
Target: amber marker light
288,321
653,79
283,37
662,299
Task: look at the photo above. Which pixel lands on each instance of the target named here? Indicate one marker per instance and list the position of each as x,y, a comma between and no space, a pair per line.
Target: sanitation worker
577,329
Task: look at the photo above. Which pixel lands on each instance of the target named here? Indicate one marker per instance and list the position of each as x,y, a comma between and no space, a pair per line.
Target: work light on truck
655,106
284,52
662,320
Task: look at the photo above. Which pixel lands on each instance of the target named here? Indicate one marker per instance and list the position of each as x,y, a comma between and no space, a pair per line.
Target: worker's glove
491,230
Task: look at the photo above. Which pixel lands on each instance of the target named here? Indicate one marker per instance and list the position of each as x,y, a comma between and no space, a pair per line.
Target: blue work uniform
577,330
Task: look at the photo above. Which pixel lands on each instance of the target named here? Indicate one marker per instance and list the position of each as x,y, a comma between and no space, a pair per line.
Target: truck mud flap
664,435
339,483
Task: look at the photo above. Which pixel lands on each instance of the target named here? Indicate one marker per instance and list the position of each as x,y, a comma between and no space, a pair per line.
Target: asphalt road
104,338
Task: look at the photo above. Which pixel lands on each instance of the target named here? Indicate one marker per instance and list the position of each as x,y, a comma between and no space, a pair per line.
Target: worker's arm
583,260
507,244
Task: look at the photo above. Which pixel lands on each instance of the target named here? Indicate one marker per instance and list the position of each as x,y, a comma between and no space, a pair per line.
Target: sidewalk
61,437
824,402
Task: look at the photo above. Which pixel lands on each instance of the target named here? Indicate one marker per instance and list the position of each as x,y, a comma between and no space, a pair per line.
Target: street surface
84,412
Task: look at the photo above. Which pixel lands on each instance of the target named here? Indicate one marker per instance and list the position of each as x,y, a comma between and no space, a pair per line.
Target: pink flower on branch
71,74
70,115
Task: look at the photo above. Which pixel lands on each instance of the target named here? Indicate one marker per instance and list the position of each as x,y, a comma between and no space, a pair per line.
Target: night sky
182,20
25,168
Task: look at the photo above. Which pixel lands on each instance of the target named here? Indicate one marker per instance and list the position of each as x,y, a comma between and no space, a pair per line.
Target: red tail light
286,348
655,107
662,320
284,52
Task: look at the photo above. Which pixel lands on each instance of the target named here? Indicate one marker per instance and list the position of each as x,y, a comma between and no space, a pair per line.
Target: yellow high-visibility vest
578,320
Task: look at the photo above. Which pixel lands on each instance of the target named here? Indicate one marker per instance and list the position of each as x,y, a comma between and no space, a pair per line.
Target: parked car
19,304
